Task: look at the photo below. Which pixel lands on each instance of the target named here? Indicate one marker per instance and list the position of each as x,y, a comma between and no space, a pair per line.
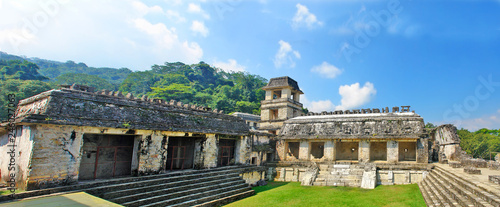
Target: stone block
472,170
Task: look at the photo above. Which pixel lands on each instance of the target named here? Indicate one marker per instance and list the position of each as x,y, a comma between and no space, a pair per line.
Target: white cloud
196,8
498,111
354,96
285,55
109,33
144,9
175,16
167,39
305,18
474,124
230,66
317,106
327,70
199,27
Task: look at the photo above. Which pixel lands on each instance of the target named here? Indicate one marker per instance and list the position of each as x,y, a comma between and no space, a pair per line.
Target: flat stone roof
112,109
405,125
282,82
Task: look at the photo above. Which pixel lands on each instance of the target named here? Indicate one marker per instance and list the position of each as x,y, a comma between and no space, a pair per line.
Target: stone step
227,199
82,186
482,193
132,194
183,193
425,193
101,190
446,198
206,201
449,192
198,198
459,190
131,190
436,197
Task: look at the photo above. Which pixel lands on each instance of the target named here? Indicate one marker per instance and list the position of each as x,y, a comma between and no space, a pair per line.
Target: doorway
226,152
180,153
106,156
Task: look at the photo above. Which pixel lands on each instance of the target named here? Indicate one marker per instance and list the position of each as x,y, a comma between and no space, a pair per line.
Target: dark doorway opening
180,153
226,152
106,156
347,151
407,151
378,151
317,149
293,149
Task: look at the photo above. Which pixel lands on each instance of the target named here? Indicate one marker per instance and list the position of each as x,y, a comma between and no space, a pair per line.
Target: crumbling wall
56,156
210,151
152,153
447,141
16,159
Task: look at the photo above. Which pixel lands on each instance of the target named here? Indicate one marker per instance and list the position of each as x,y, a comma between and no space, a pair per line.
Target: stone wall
50,155
352,175
354,126
22,156
446,139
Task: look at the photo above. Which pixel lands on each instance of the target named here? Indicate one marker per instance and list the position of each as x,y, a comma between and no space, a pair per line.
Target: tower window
274,114
276,94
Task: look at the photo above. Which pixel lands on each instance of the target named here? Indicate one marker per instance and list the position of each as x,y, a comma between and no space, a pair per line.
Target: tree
173,91
430,125
84,79
22,70
21,89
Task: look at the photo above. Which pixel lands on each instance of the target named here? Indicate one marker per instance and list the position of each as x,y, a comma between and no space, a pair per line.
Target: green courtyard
293,194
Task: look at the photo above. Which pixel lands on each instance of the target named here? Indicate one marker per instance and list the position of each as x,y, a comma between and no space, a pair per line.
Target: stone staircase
212,187
339,175
442,187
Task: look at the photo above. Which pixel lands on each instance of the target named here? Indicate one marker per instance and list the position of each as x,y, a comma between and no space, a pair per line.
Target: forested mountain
20,78
198,84
110,78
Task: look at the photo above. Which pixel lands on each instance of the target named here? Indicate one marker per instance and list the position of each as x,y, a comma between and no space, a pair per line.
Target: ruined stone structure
360,147
71,134
252,120
281,103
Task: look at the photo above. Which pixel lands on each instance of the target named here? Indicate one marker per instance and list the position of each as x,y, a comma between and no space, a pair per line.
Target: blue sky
440,57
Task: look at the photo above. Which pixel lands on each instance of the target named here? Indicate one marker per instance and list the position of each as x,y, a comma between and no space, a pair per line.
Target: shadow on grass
269,186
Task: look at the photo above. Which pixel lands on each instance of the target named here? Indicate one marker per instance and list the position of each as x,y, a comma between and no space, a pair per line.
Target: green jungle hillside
198,84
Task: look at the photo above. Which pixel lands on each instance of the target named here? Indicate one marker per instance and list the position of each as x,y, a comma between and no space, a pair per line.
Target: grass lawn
292,194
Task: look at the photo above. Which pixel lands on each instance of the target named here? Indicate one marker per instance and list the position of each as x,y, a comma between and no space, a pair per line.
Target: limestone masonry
73,134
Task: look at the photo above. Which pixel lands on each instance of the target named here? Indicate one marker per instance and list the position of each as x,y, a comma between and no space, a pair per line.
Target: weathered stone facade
54,129
281,103
389,137
68,135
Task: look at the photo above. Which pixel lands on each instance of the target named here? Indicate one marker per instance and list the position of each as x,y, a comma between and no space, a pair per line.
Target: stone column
422,151
243,150
280,150
210,151
151,161
329,152
364,151
392,151
304,150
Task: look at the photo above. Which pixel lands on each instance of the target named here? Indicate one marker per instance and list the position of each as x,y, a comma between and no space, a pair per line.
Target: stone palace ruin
74,134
